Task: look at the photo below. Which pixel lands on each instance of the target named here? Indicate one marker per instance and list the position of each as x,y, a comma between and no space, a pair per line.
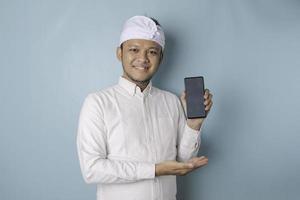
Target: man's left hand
197,122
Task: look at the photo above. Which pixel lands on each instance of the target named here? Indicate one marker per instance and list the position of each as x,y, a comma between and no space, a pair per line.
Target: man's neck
141,84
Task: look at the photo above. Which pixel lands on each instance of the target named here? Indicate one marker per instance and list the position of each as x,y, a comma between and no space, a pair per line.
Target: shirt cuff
192,132
145,171
191,137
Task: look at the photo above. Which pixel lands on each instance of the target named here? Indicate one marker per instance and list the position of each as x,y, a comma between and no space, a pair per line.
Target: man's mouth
142,67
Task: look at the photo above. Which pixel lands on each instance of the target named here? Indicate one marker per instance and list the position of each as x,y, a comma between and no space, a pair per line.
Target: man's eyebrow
157,48
131,45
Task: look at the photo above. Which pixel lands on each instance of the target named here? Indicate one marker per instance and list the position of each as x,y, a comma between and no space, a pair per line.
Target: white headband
141,27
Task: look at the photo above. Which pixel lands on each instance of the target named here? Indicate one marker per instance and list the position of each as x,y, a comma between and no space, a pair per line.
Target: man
133,138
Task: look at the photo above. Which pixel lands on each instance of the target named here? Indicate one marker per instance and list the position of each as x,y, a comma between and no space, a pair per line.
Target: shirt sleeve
92,153
188,139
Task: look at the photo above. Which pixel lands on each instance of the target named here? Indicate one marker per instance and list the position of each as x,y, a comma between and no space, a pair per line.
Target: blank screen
194,87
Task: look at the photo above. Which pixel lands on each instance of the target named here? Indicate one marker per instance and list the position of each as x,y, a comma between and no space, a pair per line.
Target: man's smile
141,67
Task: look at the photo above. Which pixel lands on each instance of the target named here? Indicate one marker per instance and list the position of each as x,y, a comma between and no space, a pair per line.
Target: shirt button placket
156,189
156,186
147,120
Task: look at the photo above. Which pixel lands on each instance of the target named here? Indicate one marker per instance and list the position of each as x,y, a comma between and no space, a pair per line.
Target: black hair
155,21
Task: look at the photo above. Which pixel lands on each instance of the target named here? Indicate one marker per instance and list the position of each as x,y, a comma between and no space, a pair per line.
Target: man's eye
153,52
133,50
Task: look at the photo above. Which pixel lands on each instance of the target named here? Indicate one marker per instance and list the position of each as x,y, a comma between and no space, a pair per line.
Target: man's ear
161,57
119,53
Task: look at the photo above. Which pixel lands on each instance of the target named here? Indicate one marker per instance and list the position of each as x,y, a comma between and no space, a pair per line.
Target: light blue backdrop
53,53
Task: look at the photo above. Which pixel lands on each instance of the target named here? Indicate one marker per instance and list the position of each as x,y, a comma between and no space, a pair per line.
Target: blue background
53,53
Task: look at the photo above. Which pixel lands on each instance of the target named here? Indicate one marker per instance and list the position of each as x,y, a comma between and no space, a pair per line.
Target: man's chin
140,79
145,80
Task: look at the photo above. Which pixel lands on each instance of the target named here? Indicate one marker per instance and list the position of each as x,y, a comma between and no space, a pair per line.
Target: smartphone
194,88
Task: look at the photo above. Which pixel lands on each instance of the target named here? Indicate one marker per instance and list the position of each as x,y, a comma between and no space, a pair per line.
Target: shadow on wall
213,136
162,75
212,145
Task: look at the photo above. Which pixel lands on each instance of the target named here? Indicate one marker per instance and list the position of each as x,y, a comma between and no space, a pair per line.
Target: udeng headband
141,27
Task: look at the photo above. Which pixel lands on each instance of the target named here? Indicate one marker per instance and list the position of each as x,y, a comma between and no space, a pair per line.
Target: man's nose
143,56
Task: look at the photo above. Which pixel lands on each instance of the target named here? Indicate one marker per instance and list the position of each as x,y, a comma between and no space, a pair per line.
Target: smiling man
140,59
133,138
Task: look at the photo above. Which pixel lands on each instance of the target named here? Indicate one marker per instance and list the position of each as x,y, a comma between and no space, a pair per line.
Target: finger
183,94
199,159
207,108
206,102
208,96
187,166
181,165
183,172
195,160
201,162
206,93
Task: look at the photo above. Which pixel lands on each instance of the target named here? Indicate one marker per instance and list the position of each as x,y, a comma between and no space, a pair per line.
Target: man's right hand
173,167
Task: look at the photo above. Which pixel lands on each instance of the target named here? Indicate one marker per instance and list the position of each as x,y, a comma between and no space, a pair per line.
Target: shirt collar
132,88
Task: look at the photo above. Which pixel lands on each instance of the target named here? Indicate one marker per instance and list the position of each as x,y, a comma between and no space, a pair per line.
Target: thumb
183,100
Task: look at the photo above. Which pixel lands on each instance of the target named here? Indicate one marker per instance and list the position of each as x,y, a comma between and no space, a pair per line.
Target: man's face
140,59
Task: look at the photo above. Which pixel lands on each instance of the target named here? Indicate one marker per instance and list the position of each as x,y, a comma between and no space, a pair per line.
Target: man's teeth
141,67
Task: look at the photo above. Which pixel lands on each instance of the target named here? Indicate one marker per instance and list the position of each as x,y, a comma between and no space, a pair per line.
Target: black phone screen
194,87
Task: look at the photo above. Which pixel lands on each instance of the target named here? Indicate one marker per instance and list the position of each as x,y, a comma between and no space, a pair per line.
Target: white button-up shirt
123,133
